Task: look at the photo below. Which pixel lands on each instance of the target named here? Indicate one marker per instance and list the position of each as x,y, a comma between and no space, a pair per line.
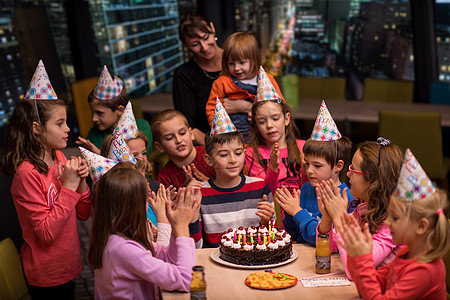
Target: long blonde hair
437,243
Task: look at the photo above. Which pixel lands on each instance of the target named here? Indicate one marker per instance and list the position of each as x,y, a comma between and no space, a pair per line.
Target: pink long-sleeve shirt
48,215
274,179
129,271
383,249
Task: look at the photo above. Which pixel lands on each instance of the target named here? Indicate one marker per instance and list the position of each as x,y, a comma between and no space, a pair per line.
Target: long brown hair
381,166
119,200
291,135
21,142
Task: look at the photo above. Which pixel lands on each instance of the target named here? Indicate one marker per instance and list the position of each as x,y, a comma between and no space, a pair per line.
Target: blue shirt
302,227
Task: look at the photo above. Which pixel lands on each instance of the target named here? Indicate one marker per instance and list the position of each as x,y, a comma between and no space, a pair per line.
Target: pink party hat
119,150
127,123
98,165
107,88
221,121
413,183
265,90
325,129
40,87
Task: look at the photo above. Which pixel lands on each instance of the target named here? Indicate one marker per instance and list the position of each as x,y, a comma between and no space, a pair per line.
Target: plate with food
268,280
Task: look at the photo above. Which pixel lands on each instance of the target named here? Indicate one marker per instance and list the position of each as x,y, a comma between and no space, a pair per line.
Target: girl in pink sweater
275,153
49,191
416,218
127,265
373,176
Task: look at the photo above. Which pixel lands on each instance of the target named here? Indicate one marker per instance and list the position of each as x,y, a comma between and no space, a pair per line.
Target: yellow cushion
80,93
12,280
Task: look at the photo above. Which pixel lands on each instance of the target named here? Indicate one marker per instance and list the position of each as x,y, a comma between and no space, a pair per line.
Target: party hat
40,87
107,88
127,123
221,121
325,129
98,165
413,183
119,150
265,90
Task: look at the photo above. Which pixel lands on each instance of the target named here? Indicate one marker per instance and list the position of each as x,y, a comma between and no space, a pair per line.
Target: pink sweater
48,216
129,271
401,279
275,179
383,249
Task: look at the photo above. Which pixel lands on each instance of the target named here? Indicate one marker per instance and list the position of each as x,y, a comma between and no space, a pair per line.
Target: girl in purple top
127,265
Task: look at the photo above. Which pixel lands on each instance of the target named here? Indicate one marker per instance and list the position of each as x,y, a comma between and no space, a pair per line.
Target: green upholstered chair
332,88
12,280
422,133
387,90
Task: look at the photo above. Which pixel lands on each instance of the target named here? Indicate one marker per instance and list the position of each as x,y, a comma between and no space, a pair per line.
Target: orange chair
80,93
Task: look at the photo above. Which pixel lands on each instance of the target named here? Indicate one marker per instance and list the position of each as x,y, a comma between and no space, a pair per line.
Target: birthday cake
255,246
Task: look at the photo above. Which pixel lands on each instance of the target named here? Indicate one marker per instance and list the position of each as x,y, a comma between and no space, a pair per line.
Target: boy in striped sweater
230,199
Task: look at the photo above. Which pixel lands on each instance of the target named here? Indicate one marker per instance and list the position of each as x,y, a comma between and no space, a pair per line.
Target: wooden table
341,110
228,283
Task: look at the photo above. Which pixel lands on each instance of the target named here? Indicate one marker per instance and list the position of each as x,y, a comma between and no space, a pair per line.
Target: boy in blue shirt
325,154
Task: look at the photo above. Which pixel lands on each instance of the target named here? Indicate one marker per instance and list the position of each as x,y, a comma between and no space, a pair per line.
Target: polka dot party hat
127,123
107,88
98,165
119,149
265,90
221,121
40,87
413,183
325,129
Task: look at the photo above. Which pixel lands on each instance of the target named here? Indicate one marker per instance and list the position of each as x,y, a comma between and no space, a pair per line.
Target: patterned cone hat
221,121
127,126
119,150
413,183
107,88
98,165
265,90
325,129
40,87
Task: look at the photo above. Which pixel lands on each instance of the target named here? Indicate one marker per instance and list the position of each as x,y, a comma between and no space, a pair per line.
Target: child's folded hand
355,242
158,203
69,174
265,211
290,204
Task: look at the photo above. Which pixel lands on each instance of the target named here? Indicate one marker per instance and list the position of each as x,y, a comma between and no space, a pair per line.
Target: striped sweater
222,209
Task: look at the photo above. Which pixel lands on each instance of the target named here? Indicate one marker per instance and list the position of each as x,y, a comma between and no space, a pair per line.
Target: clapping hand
274,157
181,214
290,204
355,241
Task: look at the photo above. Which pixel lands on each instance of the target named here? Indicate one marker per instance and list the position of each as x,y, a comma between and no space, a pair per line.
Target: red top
400,279
48,215
172,175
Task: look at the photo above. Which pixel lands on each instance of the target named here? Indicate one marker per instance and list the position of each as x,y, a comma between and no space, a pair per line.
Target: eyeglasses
350,168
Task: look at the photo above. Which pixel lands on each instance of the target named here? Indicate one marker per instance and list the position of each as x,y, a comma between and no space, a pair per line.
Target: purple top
130,271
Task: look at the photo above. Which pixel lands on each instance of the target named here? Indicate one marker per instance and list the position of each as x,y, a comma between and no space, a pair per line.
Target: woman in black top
192,81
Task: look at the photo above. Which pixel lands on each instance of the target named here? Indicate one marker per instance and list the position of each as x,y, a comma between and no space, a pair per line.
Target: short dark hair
211,140
114,103
190,23
331,151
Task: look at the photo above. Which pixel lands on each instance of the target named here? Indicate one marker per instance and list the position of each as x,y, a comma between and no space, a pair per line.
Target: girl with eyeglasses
373,176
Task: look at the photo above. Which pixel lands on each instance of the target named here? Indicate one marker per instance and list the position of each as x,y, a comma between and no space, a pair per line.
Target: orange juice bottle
198,283
323,254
